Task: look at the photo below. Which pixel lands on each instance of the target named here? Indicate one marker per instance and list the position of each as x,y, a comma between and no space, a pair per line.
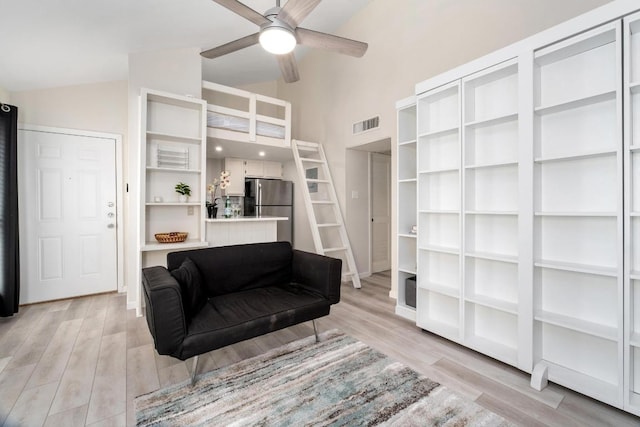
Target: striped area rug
339,382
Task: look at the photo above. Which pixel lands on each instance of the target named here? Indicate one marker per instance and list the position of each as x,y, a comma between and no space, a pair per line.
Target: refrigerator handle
259,202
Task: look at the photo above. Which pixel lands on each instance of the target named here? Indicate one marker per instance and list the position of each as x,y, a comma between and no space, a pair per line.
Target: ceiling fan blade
294,11
288,67
231,46
330,42
245,11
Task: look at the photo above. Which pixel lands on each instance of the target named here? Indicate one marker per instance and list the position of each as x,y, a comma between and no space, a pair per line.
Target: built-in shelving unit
468,211
490,137
173,136
632,212
439,249
406,204
577,280
528,205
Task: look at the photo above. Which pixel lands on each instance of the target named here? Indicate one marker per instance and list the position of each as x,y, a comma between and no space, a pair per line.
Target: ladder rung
342,248
329,225
306,144
315,150
320,181
305,159
322,202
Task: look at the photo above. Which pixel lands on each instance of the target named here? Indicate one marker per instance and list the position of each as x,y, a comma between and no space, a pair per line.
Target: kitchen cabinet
263,169
235,167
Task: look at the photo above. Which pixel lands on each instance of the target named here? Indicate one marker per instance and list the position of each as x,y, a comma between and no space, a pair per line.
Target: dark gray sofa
209,298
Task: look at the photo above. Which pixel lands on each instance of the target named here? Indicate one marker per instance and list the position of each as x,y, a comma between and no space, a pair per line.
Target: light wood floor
82,362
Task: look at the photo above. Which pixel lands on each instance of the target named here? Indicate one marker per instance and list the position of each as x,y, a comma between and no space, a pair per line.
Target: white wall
357,216
100,107
409,41
5,96
263,88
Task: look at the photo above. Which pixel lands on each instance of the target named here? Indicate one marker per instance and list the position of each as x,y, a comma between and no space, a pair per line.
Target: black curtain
9,249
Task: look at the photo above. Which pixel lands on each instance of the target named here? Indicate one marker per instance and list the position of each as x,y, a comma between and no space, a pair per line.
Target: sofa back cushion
193,294
228,269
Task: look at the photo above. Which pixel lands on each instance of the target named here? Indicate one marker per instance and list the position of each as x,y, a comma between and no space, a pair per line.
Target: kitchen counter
247,219
240,230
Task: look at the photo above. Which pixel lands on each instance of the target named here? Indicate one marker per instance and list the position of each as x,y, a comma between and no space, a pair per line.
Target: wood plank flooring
83,361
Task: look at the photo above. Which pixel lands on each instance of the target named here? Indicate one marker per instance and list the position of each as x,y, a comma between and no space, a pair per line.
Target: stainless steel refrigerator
271,197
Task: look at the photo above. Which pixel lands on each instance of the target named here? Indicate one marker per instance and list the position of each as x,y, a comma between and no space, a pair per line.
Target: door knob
110,225
110,204
110,214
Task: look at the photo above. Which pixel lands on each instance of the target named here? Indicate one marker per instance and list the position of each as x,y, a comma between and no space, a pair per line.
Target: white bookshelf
468,211
439,218
528,183
173,149
406,241
577,231
490,137
631,86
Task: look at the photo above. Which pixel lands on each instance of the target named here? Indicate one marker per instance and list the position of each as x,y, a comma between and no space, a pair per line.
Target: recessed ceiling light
218,148
261,154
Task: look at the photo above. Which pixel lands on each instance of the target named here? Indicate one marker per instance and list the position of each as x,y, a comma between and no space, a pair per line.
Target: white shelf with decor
578,246
632,212
406,240
173,150
439,173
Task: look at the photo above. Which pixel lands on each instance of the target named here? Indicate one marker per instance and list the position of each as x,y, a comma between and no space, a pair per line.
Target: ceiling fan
279,33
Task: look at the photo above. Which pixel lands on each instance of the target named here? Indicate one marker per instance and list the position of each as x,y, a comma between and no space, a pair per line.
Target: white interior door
67,196
380,212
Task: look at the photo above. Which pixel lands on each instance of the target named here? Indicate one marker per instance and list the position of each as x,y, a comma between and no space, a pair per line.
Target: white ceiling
52,43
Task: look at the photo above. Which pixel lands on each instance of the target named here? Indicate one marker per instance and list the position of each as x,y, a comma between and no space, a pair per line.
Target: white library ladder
325,219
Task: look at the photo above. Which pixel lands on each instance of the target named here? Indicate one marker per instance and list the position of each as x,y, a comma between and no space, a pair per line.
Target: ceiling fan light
277,40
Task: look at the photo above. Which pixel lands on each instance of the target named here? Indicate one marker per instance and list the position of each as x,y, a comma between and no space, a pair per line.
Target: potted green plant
184,191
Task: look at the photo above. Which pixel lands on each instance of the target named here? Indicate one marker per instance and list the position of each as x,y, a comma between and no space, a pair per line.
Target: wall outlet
189,210
354,194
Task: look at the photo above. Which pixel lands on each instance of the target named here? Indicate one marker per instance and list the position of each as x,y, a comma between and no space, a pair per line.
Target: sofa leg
194,370
315,330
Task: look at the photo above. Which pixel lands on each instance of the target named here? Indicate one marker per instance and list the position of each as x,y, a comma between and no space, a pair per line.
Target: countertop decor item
172,237
212,188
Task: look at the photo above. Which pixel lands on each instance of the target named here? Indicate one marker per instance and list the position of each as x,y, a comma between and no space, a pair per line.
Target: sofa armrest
164,311
318,273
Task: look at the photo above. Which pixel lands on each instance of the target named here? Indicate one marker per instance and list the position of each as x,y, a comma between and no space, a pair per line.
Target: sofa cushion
190,280
228,269
230,318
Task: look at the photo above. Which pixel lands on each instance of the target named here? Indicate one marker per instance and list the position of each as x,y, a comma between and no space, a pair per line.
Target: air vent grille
365,125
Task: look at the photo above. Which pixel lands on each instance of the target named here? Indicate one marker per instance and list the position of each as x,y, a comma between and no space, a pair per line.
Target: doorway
69,209
368,205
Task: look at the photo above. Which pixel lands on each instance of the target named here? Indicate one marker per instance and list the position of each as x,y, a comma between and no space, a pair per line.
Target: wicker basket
173,237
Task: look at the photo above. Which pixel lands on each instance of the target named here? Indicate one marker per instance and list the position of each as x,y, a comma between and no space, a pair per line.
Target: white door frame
119,186
390,204
373,147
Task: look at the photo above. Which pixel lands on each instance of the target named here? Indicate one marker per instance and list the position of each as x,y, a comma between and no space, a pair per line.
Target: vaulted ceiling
67,42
